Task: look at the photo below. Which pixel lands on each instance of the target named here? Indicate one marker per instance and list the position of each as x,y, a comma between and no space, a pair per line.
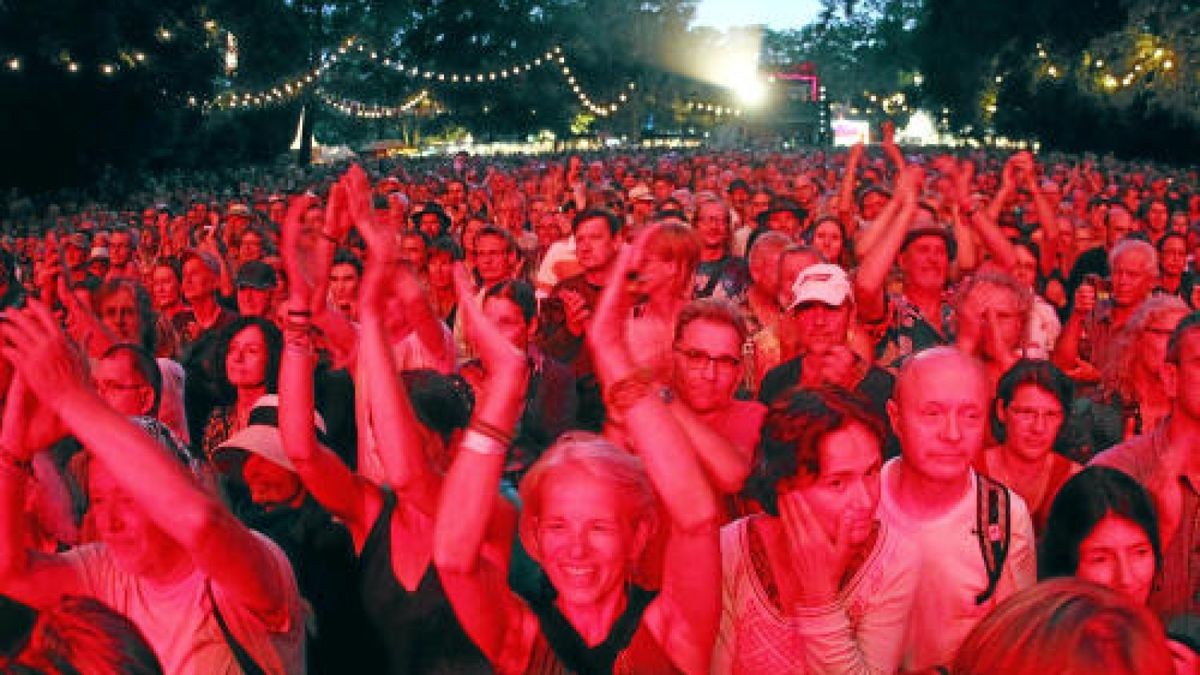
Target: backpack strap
240,654
993,529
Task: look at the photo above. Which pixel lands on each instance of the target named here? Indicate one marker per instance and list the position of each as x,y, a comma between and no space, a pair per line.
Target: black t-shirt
876,386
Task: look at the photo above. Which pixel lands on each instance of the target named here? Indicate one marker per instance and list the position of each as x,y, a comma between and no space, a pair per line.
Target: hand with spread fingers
498,355
49,363
300,277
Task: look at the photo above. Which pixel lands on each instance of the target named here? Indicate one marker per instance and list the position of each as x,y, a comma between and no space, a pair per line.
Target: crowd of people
826,411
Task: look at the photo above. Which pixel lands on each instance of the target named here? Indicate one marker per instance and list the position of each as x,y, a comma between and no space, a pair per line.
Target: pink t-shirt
178,622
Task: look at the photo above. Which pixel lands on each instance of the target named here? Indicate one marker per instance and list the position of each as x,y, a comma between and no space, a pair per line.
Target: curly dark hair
274,342
791,437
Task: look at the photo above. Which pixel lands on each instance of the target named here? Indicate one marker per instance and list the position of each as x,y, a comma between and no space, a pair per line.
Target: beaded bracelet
629,390
491,430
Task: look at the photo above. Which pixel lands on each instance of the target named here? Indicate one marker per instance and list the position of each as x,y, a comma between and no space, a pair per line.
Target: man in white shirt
932,494
170,556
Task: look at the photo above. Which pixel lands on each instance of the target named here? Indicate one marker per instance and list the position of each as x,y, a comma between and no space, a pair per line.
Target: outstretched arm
686,614
399,437
329,480
474,581
34,578
877,260
158,483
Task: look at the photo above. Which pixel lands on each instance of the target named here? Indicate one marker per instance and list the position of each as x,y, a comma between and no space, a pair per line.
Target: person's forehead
250,335
121,297
943,377
929,242
491,239
1132,258
574,493
712,335
119,365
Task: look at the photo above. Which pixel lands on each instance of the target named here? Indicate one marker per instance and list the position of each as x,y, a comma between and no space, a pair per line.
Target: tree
88,84
857,48
1102,75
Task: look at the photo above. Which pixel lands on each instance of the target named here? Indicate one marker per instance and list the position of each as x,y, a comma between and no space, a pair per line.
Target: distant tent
299,138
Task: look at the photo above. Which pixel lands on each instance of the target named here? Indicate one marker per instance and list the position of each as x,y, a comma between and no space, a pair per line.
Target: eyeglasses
1030,415
697,359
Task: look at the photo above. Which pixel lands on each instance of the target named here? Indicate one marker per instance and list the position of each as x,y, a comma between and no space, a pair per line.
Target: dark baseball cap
257,274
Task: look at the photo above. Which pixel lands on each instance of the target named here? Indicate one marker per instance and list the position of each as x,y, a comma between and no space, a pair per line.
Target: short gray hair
1129,246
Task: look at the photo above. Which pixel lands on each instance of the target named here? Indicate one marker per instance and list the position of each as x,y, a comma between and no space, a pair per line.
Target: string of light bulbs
125,59
352,108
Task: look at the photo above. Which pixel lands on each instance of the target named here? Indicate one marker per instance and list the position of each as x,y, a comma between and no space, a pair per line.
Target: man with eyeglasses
706,371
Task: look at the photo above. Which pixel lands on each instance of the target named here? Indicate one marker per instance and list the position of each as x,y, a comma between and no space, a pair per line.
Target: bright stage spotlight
750,92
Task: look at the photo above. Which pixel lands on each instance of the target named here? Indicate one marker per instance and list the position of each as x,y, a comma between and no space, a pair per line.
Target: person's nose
951,428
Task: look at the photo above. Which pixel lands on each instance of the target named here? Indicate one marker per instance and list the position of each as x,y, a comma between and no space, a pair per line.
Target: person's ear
893,413
1001,412
1170,377
527,531
642,532
146,399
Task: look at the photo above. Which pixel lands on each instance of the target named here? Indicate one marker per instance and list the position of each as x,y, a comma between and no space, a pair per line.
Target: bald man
931,494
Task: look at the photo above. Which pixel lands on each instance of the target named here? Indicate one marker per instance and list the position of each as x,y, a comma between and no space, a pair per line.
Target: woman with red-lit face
588,514
819,550
165,290
248,351
1031,406
828,238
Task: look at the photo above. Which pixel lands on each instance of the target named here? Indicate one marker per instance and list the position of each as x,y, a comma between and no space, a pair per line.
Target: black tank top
418,630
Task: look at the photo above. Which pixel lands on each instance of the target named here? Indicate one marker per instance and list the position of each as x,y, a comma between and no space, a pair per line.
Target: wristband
481,444
491,431
629,390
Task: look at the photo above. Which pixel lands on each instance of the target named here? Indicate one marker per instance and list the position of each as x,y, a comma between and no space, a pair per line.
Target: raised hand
888,129
577,311
28,426
295,260
42,355
337,214
380,238
607,328
909,183
499,356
